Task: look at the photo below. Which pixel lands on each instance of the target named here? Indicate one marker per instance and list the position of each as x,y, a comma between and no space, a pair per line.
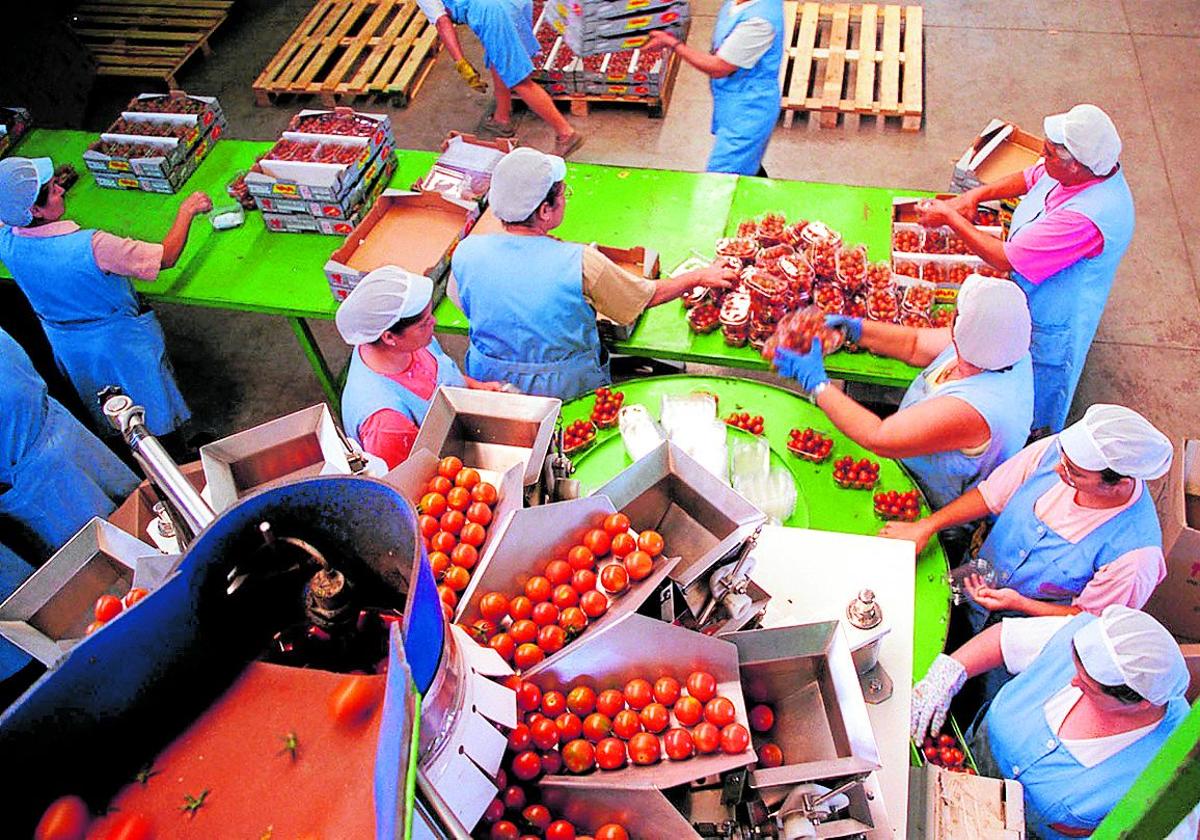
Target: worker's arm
935,212
1010,186
176,238
710,64
911,345
712,277
1010,600
981,653
937,425
449,36
966,508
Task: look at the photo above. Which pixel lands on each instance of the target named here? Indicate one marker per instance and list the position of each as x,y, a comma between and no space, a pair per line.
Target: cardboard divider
637,646
1176,601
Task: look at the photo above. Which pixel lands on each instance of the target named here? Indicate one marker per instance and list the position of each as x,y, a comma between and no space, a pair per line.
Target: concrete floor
1020,60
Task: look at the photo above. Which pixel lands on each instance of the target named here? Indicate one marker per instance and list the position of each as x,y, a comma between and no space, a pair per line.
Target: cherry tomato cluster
151,128
945,751
168,105
912,318
108,607
648,60
958,273
608,403
128,150
762,721
810,444
879,275
314,152
704,318
515,815
772,253
742,247
345,123
907,241
453,518
578,436
882,305
564,56
771,230
593,63
829,298
942,316
557,605
584,729
822,256
907,269
905,506
797,331
743,420
852,266
240,191
918,298
860,475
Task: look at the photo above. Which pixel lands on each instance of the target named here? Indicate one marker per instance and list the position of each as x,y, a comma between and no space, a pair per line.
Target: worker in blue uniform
77,281
55,475
743,71
1093,701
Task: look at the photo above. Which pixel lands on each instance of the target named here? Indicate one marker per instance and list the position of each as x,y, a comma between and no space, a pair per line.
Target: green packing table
820,503
677,213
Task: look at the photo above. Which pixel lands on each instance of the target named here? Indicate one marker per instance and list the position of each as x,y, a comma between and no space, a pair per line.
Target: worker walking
743,71
55,475
77,281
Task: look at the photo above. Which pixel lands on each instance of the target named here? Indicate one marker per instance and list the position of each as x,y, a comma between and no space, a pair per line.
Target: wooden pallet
147,39
853,59
346,49
580,103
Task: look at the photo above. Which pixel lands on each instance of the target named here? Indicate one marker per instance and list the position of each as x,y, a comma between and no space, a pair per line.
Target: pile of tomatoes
762,721
637,724
513,815
905,507
810,444
944,750
578,436
557,605
855,475
453,517
746,422
608,403
108,607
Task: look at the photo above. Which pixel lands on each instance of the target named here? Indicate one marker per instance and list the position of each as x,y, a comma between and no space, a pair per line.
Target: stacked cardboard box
324,172
601,26
936,255
156,143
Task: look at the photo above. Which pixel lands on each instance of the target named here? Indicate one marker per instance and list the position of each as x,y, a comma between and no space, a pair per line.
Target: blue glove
852,327
807,369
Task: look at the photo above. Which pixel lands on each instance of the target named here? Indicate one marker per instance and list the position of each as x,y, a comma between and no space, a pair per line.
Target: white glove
931,696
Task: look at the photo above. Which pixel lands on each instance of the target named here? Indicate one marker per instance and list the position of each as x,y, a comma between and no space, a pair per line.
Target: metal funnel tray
808,676
643,812
304,444
530,538
700,517
50,611
491,430
637,646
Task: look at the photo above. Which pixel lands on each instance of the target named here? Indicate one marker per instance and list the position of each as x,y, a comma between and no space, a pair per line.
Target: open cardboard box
1001,149
135,516
1176,601
463,171
950,806
644,262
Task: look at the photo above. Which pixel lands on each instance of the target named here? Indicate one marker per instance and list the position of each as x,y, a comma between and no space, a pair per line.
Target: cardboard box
303,123
1176,601
14,124
206,108
1001,149
464,168
643,262
350,208
135,516
952,806
136,126
171,183
313,180
1191,656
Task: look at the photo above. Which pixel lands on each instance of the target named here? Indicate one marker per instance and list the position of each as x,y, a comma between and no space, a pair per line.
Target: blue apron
92,321
367,392
13,572
746,102
1004,398
1034,560
505,29
55,475
530,323
1066,307
1015,742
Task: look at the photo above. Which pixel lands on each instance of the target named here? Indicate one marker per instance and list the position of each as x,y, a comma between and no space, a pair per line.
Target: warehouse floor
1039,57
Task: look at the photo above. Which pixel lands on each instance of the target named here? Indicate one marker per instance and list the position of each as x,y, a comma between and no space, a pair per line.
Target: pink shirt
114,254
1058,239
1129,579
388,433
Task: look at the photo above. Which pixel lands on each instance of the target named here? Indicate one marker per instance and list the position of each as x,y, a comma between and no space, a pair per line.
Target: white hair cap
993,328
21,179
380,299
1089,135
521,181
1117,438
1124,646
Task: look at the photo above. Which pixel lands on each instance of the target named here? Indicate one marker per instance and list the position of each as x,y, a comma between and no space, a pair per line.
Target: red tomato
127,826
67,818
666,690
537,816
594,603
480,630
494,811
459,499
432,504
449,466
467,478
734,739
545,614
527,655
443,542
537,589
552,762
644,748
529,696
610,831
720,711
554,703
688,711
428,525
544,735
650,542
573,621
560,830
526,765
626,724
514,797
616,523
596,727
504,830
762,718
523,631
623,544
108,607
932,754
707,738
614,578
770,755
520,607
581,700
551,638
473,534
655,717
96,625
580,558
439,484
679,745
457,577
484,493
520,738
493,606
638,693
479,513
564,596
579,756
439,561
558,572
504,645
583,581
945,739
702,685
610,754
449,599
452,522
610,701
597,541
569,726
354,699
639,565
465,557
